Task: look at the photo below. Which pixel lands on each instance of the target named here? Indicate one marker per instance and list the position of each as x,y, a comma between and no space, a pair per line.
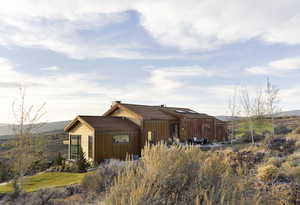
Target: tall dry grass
179,176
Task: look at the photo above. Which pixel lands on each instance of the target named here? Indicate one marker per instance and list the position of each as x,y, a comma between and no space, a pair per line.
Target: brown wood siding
105,148
205,128
160,130
222,134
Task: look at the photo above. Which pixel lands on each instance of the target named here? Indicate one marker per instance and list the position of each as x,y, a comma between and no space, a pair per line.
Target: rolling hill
291,113
6,130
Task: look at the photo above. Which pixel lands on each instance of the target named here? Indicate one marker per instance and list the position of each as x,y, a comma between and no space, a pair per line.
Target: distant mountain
6,131
3,124
288,113
295,113
227,118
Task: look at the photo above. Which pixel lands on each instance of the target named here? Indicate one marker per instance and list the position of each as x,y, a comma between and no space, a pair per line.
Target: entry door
174,130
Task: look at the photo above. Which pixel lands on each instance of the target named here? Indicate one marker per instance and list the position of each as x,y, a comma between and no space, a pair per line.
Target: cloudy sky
79,55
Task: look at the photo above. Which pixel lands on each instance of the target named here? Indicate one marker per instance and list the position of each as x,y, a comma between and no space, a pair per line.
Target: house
125,128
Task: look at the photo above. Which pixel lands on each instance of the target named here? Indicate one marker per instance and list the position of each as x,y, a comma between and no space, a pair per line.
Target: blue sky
78,56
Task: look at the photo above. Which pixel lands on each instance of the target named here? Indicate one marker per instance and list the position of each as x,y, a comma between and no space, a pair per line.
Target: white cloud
191,24
276,67
68,95
169,78
286,64
51,68
63,93
211,23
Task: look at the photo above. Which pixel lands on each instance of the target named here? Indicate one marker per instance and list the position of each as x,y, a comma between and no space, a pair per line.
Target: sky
80,55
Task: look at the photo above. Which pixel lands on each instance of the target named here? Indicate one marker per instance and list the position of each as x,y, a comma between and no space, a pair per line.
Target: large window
150,136
118,139
91,145
75,143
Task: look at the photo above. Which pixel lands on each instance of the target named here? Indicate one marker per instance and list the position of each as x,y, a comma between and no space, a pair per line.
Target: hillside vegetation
267,173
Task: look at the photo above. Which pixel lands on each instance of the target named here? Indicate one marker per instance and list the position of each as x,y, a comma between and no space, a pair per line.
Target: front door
174,130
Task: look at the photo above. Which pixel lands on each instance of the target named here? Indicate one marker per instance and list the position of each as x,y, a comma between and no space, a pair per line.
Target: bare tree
246,103
259,105
27,148
272,101
234,110
254,108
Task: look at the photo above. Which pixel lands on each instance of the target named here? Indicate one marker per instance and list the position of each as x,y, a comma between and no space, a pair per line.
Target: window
150,138
75,143
174,130
91,144
117,139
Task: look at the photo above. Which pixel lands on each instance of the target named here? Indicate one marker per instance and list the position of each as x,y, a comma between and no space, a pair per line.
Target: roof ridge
140,105
157,106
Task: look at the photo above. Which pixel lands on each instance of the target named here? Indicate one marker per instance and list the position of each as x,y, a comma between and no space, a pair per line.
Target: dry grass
180,176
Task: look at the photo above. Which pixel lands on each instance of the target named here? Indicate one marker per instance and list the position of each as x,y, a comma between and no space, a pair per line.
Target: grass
259,127
46,180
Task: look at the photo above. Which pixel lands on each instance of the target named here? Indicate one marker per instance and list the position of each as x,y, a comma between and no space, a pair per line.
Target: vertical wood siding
205,128
105,148
160,130
222,134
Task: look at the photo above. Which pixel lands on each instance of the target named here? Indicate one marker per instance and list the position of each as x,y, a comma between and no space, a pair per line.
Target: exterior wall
205,128
105,148
160,130
128,115
85,132
222,134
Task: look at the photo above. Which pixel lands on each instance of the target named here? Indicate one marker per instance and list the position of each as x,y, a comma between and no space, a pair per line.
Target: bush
280,144
267,172
246,137
4,172
59,160
178,176
104,177
282,130
81,162
17,189
294,173
274,161
37,166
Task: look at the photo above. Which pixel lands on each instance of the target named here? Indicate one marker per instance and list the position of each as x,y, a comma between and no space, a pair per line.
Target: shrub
267,172
246,137
37,166
242,163
282,130
294,173
81,162
59,160
296,130
179,176
276,161
104,177
4,172
165,176
280,144
17,189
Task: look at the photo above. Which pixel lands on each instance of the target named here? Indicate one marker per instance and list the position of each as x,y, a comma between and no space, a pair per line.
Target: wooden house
125,129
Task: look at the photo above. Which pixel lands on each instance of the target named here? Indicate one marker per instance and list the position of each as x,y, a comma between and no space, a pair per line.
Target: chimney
115,102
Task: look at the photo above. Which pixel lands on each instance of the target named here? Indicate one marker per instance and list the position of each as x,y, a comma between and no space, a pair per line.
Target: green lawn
46,180
259,127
